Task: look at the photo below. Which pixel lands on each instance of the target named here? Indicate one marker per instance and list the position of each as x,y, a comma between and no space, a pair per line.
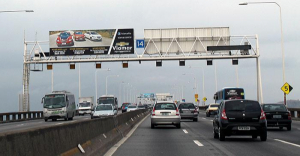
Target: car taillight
262,115
223,115
289,116
153,112
195,111
123,107
177,112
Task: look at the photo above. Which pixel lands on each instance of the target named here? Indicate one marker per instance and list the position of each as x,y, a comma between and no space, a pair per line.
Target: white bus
109,99
59,104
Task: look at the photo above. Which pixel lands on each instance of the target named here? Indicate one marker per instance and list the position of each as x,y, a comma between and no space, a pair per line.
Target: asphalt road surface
87,43
196,138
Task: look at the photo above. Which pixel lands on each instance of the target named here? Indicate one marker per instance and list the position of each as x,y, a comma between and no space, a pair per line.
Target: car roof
164,102
240,100
272,104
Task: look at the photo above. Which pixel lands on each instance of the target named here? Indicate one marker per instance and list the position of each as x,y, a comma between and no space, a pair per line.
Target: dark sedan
277,116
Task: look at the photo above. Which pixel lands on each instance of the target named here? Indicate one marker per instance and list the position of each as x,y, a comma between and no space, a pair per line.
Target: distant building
164,97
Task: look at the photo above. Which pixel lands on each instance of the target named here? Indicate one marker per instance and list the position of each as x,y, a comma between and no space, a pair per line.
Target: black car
277,116
240,117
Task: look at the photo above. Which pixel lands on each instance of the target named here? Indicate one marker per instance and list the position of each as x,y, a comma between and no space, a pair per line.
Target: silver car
188,111
165,113
103,110
132,108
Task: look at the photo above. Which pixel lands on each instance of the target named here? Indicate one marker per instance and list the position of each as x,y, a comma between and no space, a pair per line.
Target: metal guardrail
20,116
295,112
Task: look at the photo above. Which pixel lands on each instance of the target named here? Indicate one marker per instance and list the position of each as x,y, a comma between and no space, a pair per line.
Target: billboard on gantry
91,42
186,40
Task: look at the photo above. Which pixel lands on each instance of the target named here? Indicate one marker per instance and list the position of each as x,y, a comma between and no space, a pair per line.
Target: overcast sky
48,15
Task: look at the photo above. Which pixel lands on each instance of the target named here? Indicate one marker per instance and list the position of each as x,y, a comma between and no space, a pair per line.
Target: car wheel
254,136
66,118
72,117
263,135
46,120
90,38
92,117
216,135
289,127
152,126
178,125
195,119
221,135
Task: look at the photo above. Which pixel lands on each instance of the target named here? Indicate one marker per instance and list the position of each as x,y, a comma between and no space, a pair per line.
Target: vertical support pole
284,96
79,79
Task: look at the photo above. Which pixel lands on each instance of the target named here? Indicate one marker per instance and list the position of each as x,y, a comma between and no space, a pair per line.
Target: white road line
287,142
20,125
197,143
203,118
211,120
59,123
185,131
298,129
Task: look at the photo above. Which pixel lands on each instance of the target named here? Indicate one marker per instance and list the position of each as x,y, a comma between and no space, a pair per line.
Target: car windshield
94,33
274,107
103,107
78,33
84,104
64,35
214,105
131,106
187,106
164,106
54,101
246,106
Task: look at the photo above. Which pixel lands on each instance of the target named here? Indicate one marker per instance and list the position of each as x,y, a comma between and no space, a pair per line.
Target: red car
64,39
78,35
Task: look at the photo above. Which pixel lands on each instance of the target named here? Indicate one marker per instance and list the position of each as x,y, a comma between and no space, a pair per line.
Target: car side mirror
42,101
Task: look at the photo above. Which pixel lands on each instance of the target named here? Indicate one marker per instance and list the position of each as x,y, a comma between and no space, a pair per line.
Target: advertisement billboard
91,42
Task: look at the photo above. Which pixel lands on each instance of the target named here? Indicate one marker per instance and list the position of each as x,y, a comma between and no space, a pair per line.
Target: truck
86,105
59,104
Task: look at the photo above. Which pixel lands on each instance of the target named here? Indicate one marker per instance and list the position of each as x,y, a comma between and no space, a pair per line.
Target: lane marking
198,143
298,129
113,149
185,131
211,120
20,125
287,142
59,123
203,118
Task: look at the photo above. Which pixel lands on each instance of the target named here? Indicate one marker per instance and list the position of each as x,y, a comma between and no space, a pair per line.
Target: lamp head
244,3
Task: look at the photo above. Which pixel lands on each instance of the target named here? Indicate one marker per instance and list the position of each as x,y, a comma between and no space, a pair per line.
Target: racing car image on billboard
79,36
64,39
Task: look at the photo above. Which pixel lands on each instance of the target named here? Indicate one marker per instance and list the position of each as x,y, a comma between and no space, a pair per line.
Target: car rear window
274,107
164,106
214,105
187,106
246,106
131,106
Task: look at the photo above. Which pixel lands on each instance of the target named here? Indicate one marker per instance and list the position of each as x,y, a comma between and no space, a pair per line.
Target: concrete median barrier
94,136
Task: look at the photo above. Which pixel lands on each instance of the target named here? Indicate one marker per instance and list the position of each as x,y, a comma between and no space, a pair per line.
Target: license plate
243,128
57,112
63,43
164,113
277,116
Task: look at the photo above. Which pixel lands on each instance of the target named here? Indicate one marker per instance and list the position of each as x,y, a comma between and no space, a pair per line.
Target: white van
59,104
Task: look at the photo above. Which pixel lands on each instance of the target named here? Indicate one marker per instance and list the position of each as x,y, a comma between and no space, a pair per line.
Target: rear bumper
278,123
190,116
212,112
255,129
165,120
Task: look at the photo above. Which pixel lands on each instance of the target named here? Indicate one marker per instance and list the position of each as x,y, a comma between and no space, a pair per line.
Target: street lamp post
195,84
96,85
282,47
203,90
106,82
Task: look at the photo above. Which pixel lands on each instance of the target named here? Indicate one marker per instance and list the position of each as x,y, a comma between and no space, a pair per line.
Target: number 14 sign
286,88
140,43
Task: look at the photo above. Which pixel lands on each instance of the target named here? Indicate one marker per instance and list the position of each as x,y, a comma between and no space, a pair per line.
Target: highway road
196,138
